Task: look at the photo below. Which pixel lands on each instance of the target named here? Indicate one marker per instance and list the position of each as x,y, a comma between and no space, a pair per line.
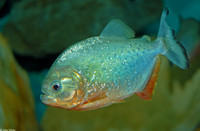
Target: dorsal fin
118,29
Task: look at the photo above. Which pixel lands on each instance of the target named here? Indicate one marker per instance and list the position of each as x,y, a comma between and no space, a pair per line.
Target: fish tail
173,50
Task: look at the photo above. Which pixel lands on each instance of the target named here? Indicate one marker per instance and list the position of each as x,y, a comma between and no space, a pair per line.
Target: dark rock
38,28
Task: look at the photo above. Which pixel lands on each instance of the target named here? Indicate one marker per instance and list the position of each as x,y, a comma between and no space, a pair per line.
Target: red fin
146,94
92,101
98,97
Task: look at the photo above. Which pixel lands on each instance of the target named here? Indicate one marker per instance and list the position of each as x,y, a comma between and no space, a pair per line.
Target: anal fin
147,93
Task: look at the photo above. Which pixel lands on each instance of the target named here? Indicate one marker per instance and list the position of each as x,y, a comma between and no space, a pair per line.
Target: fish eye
56,86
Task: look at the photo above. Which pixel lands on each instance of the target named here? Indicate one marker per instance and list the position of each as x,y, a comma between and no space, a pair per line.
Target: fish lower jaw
46,99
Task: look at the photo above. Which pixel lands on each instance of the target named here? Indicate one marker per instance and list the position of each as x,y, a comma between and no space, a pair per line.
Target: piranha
106,69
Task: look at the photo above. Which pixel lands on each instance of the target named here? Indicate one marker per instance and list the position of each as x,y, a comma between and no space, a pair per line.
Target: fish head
62,87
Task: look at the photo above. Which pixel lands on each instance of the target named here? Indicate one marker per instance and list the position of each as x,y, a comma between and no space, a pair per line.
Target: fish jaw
47,99
51,100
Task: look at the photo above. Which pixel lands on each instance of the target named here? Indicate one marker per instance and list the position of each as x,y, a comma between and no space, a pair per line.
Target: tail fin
174,51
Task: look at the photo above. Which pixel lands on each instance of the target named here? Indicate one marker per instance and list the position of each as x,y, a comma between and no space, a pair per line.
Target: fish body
122,62
106,69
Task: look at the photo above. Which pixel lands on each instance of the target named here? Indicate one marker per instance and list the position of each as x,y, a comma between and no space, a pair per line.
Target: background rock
37,28
16,100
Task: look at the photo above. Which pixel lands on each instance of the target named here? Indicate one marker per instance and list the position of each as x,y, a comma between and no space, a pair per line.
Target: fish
106,69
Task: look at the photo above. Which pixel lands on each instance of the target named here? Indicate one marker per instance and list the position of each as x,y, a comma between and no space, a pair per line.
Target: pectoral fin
95,101
147,93
96,97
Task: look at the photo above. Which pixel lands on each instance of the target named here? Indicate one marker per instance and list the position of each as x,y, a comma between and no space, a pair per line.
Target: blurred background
34,32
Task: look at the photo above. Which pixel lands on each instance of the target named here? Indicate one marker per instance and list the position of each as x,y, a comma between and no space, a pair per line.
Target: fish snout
46,96
47,99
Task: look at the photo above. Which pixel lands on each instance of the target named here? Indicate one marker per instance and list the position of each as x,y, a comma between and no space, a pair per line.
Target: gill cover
72,92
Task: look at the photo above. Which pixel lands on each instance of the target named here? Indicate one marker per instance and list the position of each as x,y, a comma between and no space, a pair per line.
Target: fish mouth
46,98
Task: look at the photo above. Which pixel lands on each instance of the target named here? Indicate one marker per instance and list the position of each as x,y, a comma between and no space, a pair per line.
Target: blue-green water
38,31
